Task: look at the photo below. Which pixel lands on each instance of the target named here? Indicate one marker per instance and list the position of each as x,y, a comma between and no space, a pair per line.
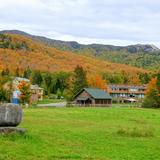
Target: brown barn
92,97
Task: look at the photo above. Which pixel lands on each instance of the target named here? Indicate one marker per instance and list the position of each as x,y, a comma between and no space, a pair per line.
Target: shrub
152,100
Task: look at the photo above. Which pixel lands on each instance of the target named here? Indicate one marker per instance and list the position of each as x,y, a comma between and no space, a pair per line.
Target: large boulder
10,115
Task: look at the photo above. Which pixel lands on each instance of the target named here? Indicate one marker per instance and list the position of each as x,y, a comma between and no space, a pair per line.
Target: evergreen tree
27,73
80,80
37,78
48,82
61,82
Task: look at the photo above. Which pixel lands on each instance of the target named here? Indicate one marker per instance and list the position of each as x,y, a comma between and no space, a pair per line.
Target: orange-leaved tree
152,85
24,88
152,99
96,81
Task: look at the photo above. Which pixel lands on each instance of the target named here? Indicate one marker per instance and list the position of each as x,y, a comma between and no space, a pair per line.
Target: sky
116,22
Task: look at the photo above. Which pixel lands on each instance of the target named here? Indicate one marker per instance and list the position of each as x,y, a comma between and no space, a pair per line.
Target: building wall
103,101
94,102
127,91
38,92
84,94
127,95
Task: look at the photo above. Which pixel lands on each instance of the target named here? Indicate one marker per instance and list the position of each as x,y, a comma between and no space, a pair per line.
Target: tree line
66,85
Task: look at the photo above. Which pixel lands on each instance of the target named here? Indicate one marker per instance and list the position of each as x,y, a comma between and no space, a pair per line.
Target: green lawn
47,101
85,133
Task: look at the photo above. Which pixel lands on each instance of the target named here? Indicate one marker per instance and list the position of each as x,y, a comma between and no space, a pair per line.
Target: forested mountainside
21,51
143,56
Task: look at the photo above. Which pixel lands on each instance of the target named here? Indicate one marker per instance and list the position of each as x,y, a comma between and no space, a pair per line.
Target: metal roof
97,93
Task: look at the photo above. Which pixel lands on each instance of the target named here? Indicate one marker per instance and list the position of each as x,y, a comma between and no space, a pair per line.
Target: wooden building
123,93
92,97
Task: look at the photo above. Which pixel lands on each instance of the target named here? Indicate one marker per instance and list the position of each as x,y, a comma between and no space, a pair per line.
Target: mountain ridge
75,45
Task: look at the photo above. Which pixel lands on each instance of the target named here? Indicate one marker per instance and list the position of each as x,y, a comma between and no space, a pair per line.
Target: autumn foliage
24,88
97,82
151,86
152,99
48,59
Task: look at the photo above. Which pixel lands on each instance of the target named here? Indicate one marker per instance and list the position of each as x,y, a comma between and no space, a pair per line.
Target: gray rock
11,130
10,115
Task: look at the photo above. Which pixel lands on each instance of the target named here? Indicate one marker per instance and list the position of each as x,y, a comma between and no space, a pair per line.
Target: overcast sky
118,22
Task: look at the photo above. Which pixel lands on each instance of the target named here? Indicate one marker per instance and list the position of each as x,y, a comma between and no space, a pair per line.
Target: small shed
92,97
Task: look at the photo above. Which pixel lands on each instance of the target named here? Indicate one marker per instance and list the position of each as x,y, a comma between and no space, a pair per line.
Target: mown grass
85,133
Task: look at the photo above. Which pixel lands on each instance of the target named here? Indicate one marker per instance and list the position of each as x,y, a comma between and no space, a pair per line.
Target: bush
152,101
4,95
52,96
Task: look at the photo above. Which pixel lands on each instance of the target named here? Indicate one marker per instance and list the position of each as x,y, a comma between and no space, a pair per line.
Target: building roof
115,86
97,93
21,79
36,87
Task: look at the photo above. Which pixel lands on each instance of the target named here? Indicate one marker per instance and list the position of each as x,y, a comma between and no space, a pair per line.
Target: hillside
143,56
20,51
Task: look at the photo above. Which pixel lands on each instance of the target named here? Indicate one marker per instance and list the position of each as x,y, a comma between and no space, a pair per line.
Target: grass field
85,133
47,101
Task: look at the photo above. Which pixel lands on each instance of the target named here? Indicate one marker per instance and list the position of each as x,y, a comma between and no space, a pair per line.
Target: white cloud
99,21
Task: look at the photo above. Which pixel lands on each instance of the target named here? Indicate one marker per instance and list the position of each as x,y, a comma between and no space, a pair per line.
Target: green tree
37,78
27,73
5,88
113,78
144,78
3,95
152,100
80,80
61,82
59,94
48,82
